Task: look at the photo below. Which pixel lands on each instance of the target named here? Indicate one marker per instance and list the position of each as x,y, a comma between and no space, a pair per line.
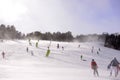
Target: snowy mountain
59,65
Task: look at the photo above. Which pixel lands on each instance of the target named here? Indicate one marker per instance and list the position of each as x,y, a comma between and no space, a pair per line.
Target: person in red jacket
94,67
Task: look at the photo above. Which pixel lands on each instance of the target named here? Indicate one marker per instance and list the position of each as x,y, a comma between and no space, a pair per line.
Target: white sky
77,16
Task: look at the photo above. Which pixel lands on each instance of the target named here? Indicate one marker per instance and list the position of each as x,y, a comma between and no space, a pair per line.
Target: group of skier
58,46
92,50
114,67
31,51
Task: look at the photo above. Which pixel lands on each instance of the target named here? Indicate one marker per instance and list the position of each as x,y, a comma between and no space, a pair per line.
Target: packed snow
59,65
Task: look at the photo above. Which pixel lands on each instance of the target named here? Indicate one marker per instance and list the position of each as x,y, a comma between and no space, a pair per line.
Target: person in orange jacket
94,66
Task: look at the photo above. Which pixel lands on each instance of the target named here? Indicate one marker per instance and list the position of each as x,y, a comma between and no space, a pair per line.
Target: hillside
60,65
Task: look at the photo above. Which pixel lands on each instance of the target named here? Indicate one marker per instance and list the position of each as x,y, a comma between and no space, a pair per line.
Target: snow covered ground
60,65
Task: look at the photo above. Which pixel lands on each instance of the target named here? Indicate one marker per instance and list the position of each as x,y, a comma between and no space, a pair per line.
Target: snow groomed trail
60,65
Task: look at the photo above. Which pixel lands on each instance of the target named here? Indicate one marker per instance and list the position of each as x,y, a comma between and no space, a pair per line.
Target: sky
77,16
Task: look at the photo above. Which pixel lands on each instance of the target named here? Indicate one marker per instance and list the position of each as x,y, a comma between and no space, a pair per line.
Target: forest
113,41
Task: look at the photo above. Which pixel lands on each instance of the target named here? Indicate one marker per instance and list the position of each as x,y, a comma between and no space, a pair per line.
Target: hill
60,65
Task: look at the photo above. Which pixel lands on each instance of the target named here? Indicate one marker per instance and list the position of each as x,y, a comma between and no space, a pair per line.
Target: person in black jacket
114,65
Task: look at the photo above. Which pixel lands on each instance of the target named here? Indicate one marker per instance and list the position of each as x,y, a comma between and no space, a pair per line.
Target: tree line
56,36
10,32
113,41
67,36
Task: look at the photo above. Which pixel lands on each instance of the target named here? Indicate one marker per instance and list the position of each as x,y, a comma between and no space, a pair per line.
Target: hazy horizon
77,16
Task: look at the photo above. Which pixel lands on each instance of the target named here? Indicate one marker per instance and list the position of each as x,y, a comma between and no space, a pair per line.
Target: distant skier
114,65
97,53
36,44
32,54
62,48
92,49
79,46
27,49
3,54
58,46
48,52
81,57
94,66
99,49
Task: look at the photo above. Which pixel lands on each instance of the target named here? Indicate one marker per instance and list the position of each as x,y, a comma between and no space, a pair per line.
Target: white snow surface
60,65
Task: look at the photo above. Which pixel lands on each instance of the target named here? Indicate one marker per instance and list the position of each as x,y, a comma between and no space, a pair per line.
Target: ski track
60,65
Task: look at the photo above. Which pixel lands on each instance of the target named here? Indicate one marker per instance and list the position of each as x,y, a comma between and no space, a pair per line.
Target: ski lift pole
50,43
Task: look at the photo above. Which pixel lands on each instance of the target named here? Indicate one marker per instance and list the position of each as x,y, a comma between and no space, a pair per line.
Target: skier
81,57
3,54
48,52
62,48
94,67
27,49
99,49
79,46
58,46
32,54
97,52
36,44
92,49
114,65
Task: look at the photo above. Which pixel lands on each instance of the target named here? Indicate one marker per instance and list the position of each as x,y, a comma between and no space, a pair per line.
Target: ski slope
60,65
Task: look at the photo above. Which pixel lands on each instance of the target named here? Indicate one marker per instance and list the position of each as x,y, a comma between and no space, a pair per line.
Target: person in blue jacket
114,66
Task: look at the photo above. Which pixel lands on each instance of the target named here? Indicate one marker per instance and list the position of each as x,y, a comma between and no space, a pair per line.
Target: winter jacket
94,65
114,62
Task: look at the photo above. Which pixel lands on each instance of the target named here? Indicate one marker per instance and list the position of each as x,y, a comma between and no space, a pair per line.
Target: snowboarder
27,49
114,65
94,66
3,54
58,46
79,46
48,52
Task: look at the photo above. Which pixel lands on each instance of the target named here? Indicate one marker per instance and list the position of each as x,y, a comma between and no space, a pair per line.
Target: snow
60,65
